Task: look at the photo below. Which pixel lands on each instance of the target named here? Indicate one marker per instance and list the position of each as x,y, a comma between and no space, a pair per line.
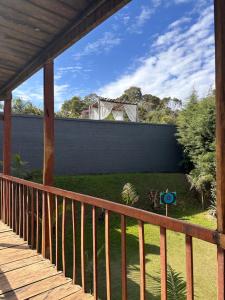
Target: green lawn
188,208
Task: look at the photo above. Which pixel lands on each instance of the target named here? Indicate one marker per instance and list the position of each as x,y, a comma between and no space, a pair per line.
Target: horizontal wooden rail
23,205
199,232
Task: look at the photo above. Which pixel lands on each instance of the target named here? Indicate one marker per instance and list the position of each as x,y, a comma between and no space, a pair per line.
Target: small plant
129,194
213,206
176,285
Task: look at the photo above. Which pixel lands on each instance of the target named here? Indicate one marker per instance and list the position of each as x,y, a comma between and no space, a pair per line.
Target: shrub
129,194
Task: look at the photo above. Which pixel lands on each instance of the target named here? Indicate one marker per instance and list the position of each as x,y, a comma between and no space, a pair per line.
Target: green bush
129,194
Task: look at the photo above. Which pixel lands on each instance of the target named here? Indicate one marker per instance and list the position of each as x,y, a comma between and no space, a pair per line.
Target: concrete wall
87,146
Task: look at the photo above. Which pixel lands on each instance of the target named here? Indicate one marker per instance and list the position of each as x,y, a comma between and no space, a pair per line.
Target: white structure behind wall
101,109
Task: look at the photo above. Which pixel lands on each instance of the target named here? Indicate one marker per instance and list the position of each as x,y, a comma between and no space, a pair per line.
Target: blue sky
164,47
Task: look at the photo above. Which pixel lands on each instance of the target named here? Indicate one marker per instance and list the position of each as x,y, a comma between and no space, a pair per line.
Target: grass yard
188,208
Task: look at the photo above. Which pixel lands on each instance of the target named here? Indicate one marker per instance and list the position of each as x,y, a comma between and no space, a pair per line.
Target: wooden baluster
189,268
107,255
50,199
74,240
13,206
27,216
142,259
9,203
64,236
6,201
32,219
1,200
95,258
163,260
83,247
2,197
44,219
56,232
16,208
37,220
24,212
123,258
20,211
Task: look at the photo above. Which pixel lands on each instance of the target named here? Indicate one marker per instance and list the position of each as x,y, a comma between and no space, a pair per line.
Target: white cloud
180,60
156,3
181,1
179,22
34,93
140,20
103,44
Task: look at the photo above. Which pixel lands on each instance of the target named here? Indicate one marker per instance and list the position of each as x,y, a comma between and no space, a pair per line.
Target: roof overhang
35,31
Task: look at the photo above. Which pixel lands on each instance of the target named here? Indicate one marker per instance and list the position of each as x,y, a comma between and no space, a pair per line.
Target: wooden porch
25,274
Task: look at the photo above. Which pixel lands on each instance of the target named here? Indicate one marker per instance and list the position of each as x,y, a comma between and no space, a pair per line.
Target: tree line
151,109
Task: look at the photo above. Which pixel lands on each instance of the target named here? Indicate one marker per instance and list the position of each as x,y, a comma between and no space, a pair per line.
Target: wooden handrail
28,199
196,231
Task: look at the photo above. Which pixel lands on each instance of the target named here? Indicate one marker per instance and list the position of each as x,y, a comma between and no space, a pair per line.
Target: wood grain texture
123,258
50,222
107,255
32,220
189,268
48,162
26,275
7,127
220,134
20,211
74,222
163,261
56,232
95,255
64,236
83,279
142,259
37,221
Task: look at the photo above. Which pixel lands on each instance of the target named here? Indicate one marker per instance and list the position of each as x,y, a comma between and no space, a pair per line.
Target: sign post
168,198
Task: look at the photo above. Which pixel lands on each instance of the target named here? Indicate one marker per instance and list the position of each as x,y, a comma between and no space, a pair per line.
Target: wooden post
7,135
48,166
220,134
6,152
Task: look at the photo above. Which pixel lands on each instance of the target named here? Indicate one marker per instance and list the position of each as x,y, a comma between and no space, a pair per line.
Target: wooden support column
220,135
48,166
7,135
6,153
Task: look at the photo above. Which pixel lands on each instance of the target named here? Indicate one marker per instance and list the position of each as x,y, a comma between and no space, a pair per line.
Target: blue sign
168,198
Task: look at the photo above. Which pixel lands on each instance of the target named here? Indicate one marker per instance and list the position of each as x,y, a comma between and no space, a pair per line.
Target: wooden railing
21,208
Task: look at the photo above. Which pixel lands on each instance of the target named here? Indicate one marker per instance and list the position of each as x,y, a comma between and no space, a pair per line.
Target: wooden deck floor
24,274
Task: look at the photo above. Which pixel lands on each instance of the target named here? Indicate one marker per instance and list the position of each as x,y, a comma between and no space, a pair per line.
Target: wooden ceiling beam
95,14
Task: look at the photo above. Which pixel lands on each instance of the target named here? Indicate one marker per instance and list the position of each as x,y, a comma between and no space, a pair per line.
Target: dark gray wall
86,146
